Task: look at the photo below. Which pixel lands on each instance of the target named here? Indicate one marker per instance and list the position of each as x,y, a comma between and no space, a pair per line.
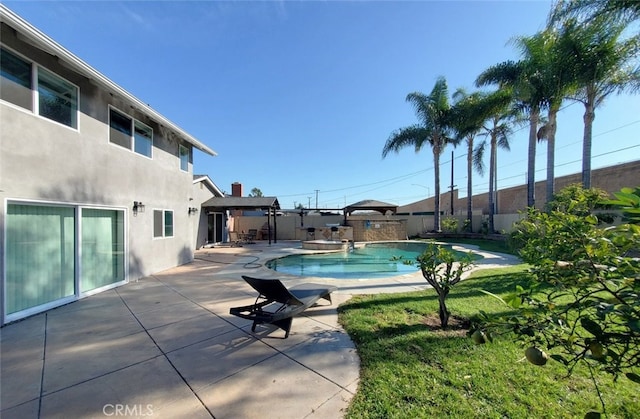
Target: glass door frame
77,209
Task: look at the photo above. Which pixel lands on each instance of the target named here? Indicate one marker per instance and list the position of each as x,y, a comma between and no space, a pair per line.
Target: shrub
450,225
585,305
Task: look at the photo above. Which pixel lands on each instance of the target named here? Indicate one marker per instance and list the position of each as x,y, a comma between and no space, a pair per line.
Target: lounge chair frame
277,304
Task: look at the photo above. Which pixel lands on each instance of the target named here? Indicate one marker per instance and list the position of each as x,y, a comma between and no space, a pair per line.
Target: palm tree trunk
589,116
470,183
492,166
551,152
531,163
436,174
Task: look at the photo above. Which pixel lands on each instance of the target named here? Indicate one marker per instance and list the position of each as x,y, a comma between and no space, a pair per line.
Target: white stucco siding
41,160
44,163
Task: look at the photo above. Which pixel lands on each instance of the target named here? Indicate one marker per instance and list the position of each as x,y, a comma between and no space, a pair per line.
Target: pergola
266,203
370,205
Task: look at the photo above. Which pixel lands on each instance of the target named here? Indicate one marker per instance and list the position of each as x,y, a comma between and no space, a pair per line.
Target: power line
373,186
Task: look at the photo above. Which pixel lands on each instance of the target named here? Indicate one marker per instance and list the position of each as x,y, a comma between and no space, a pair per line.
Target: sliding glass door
53,257
102,248
40,255
215,227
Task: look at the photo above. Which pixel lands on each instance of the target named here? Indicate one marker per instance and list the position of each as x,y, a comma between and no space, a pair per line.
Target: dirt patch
458,326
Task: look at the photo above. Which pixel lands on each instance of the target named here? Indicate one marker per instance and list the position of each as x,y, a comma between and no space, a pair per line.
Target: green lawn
411,369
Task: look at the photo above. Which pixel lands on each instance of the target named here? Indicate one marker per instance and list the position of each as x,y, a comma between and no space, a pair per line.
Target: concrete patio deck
166,346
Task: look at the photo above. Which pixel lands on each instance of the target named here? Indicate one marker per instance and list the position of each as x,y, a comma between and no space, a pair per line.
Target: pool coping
396,283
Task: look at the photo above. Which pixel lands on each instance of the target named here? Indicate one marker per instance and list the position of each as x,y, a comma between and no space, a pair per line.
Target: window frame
35,70
32,80
134,124
75,120
164,227
188,157
78,275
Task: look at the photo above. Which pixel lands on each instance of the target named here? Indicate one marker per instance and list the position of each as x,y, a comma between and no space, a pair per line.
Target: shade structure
267,203
370,205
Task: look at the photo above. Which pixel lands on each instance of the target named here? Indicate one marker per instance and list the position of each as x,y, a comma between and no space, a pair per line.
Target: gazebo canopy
241,202
371,205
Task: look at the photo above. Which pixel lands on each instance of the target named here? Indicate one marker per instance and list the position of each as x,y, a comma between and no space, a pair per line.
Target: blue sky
299,97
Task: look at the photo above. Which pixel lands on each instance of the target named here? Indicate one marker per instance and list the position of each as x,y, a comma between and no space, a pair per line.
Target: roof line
206,179
42,40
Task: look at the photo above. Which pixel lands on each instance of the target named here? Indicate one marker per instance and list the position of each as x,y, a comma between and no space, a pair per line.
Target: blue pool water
368,262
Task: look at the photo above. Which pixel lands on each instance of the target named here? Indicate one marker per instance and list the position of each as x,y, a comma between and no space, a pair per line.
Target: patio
166,346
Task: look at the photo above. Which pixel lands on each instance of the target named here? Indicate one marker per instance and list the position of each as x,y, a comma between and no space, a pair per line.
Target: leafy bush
585,306
574,199
628,201
450,225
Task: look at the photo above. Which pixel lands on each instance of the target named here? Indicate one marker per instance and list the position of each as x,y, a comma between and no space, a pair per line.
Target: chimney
236,189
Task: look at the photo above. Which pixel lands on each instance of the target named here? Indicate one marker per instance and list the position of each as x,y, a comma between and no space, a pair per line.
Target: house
97,188
212,226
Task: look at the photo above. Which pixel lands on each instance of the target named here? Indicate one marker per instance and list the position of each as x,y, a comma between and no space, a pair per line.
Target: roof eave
208,181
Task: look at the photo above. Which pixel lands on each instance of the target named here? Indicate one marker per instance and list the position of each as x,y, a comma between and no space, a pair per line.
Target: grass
411,369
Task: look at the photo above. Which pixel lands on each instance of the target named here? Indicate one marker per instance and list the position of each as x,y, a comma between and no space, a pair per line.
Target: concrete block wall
378,230
513,200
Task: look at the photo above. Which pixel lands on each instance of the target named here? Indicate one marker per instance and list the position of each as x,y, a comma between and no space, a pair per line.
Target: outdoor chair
277,304
234,239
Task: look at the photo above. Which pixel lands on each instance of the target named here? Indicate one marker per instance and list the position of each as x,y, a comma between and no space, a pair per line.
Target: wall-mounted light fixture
192,210
138,206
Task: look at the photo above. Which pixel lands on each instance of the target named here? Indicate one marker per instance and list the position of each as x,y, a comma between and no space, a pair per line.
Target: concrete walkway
166,346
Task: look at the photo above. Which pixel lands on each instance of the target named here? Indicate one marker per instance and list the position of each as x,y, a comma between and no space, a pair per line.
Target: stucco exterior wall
201,192
42,161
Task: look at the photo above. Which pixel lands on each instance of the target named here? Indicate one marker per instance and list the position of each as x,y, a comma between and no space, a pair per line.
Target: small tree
585,304
442,270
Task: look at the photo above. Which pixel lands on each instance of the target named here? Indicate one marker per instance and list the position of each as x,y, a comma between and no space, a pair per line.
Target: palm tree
497,128
554,82
434,116
622,11
467,123
600,65
523,79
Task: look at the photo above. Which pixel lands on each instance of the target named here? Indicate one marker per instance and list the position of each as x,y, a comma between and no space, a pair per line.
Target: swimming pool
368,262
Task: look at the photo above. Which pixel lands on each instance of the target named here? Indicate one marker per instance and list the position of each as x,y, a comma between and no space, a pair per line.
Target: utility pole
317,198
452,185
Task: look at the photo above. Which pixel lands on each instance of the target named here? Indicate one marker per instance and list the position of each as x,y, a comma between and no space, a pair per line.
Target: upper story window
130,133
57,99
15,83
184,158
142,139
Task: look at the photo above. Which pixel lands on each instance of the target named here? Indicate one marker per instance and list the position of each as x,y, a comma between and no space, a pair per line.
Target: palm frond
478,157
414,135
501,74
